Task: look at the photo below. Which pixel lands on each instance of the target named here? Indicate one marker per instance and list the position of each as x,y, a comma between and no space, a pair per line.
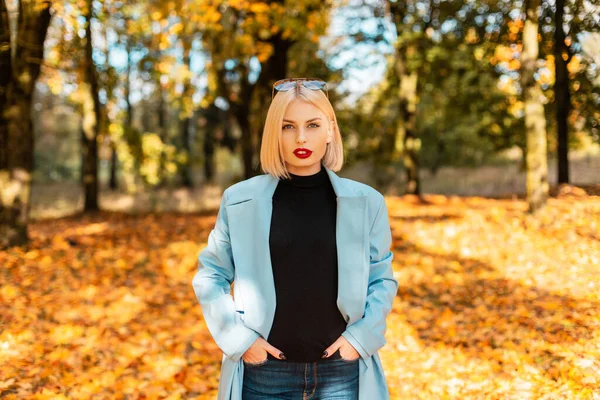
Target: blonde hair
271,149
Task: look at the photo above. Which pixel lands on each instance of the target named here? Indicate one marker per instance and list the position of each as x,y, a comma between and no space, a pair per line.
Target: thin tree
92,115
562,57
535,119
407,142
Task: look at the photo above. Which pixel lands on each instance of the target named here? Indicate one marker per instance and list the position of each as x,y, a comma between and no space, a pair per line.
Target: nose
301,138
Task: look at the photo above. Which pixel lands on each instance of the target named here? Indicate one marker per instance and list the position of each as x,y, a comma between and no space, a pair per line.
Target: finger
274,351
331,349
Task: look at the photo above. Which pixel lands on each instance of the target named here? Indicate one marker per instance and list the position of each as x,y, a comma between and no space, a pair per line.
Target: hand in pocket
258,352
347,351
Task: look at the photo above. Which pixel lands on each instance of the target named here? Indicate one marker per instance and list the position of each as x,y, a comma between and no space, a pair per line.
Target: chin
304,162
307,162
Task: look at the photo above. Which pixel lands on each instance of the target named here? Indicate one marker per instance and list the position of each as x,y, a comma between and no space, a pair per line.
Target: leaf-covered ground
492,304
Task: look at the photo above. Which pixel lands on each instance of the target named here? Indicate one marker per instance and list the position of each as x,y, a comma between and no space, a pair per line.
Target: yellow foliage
471,36
238,4
9,292
264,51
470,316
478,53
575,65
259,7
514,64
495,129
67,333
503,53
546,76
287,32
516,107
176,28
55,83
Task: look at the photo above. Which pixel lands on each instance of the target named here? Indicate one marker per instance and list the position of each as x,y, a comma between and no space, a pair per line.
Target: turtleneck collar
316,179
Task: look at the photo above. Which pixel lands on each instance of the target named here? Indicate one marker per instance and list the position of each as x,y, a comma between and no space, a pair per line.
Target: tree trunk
162,132
91,122
17,85
535,119
186,119
241,112
208,148
407,143
561,90
5,79
114,160
243,119
275,68
133,136
127,95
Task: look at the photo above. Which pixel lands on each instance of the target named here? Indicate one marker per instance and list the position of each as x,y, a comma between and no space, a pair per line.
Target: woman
310,256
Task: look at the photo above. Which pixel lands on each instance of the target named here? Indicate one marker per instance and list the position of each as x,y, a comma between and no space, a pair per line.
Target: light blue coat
238,249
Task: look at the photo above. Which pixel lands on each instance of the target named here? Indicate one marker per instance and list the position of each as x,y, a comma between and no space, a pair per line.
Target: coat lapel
249,216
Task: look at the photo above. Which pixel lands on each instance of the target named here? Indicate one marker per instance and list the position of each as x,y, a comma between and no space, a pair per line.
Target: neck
314,179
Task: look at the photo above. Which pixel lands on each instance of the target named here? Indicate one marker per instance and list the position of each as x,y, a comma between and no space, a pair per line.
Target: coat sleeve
367,334
212,286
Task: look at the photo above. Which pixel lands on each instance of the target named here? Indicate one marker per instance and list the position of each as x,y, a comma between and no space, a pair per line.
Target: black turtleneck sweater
304,259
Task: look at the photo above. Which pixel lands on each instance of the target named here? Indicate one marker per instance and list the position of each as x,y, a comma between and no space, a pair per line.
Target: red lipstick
302,152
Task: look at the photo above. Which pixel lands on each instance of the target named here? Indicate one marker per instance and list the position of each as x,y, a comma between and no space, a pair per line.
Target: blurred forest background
141,106
122,121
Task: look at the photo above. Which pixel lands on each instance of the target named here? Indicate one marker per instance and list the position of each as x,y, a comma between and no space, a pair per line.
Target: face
305,127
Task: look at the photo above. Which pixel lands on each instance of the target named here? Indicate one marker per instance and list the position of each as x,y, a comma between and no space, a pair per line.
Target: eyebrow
313,119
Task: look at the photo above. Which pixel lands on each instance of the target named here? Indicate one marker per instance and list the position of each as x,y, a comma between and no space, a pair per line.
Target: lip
302,152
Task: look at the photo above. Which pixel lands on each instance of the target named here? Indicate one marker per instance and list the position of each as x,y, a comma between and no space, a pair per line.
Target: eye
285,126
316,125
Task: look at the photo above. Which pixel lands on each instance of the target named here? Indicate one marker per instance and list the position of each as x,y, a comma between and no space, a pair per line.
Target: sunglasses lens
285,86
314,85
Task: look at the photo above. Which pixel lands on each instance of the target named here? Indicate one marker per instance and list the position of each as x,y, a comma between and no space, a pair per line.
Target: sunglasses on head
283,85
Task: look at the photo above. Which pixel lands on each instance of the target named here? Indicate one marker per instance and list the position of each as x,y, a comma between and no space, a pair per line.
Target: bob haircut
271,150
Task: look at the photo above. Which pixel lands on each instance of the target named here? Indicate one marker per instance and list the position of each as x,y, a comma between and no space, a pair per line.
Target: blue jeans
327,379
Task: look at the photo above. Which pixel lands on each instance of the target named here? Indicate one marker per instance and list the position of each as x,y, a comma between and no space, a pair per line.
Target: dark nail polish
324,354
282,356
